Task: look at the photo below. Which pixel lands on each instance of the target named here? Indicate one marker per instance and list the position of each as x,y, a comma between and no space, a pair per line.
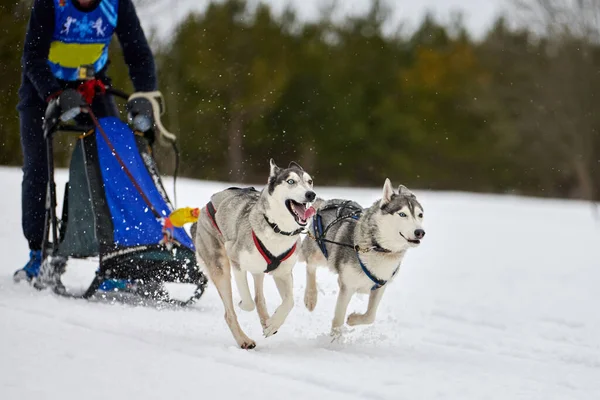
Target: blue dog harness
319,234
378,282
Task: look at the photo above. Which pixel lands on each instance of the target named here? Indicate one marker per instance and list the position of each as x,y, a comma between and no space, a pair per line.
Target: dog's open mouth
300,211
413,241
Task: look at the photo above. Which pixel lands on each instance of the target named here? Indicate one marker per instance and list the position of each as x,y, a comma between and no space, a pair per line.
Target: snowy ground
499,302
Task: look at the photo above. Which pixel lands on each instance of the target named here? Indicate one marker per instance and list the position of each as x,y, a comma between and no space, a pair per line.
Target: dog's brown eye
310,181
421,215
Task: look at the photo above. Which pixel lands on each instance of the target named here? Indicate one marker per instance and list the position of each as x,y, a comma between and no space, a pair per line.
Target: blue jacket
41,35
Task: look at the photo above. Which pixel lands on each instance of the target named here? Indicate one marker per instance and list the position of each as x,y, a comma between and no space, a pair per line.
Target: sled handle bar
74,128
117,92
85,128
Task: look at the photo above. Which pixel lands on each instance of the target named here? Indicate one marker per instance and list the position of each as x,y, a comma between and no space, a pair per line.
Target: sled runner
115,205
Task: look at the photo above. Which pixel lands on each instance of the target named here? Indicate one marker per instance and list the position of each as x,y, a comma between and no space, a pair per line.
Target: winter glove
65,105
141,117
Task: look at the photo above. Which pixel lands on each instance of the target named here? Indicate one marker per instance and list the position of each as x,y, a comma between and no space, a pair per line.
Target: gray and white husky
246,230
363,246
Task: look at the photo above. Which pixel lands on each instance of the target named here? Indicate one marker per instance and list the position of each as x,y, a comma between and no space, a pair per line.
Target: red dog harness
272,261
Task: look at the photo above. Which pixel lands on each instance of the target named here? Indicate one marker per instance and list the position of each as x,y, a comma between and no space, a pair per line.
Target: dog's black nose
310,195
419,233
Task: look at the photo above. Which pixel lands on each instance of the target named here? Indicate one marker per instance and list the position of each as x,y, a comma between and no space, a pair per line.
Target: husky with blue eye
365,247
249,231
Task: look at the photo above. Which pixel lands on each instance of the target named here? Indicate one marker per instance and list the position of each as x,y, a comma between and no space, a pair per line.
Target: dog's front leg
341,306
241,281
285,285
310,293
369,316
221,277
259,299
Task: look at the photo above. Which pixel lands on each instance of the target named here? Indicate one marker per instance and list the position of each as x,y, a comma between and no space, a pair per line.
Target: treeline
514,112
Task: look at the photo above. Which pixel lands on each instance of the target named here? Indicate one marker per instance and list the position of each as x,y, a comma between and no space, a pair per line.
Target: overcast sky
477,14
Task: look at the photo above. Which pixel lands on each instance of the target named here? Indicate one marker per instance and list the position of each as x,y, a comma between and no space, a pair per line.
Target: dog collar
376,247
277,230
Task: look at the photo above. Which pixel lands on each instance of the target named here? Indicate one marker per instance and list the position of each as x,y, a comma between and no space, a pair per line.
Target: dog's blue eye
291,181
402,215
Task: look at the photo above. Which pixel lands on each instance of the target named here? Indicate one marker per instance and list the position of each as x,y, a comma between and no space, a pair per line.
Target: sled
114,208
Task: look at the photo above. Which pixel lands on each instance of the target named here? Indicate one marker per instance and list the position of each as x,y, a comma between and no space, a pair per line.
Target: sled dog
249,231
363,246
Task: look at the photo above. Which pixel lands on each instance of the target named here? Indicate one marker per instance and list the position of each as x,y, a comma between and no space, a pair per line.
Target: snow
499,302
161,16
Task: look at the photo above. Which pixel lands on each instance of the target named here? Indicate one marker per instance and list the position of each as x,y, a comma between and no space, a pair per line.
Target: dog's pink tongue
303,212
310,211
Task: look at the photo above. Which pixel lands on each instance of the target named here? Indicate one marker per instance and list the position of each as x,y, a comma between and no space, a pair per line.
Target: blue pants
35,163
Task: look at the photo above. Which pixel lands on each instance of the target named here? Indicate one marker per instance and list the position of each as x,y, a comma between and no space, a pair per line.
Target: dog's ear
388,192
295,164
403,190
274,168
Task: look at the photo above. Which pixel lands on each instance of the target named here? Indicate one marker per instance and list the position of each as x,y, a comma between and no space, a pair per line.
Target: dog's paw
358,319
273,324
355,319
246,306
310,300
336,334
339,334
248,344
270,330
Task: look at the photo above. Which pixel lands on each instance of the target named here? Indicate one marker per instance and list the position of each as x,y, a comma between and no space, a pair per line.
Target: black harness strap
320,233
272,261
318,224
211,214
